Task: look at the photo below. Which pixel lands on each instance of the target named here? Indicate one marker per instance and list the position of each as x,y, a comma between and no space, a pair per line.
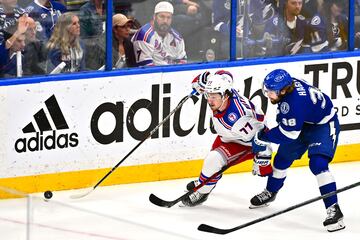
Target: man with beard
307,121
156,43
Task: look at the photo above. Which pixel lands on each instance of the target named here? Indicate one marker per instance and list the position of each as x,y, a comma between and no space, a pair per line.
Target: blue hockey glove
199,82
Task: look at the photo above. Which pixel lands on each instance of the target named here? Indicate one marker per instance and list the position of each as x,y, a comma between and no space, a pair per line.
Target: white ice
124,211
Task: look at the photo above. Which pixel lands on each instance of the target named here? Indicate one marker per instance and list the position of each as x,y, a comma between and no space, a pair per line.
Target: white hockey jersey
152,49
239,121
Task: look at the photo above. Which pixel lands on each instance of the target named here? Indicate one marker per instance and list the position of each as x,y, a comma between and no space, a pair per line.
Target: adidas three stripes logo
43,122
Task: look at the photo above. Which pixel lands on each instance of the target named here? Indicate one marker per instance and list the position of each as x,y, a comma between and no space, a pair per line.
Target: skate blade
336,226
260,206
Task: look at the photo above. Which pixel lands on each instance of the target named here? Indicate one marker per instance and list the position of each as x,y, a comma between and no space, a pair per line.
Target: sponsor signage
94,123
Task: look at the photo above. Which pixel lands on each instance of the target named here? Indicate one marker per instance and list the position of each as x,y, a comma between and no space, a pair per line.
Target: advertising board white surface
62,126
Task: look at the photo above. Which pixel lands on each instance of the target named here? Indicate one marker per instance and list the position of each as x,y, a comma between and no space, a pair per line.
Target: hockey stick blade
81,195
162,203
211,229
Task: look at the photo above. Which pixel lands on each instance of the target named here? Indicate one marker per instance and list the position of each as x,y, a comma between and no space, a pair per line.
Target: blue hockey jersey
305,104
45,17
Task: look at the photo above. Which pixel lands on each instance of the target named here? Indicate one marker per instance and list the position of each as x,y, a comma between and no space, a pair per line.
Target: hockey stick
211,229
163,203
80,195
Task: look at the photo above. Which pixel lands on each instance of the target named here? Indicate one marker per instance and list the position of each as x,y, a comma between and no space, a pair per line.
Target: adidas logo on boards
47,138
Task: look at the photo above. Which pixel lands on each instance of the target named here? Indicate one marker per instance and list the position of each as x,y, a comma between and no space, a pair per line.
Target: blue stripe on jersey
145,33
145,62
234,111
176,34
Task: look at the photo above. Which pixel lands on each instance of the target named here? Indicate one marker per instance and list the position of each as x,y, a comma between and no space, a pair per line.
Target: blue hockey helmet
276,80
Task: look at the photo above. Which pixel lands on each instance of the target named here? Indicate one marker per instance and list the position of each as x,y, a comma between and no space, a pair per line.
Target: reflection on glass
295,27
357,24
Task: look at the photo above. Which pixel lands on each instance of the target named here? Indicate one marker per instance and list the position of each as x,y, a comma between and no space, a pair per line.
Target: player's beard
275,101
162,29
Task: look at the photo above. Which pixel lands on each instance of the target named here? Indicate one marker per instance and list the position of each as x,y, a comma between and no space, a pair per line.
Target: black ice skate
191,185
334,220
195,199
263,199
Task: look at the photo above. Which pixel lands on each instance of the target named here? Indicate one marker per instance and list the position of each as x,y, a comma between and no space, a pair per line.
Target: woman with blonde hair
65,46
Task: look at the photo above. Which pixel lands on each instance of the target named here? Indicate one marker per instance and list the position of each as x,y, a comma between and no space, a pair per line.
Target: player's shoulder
145,33
176,34
317,20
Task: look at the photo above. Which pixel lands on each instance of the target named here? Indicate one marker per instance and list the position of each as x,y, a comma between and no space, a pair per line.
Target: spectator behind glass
294,26
64,45
190,19
336,23
156,43
304,35
92,18
254,34
122,47
9,14
34,52
15,39
46,14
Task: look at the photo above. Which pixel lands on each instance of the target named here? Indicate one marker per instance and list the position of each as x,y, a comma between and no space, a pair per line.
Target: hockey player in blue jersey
306,120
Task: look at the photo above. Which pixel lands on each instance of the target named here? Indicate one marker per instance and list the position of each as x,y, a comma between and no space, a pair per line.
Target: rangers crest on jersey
232,117
284,108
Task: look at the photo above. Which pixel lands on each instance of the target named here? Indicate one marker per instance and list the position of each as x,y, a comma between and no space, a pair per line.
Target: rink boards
68,134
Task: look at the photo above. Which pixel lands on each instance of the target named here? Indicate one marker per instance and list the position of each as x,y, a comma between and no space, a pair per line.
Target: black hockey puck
48,194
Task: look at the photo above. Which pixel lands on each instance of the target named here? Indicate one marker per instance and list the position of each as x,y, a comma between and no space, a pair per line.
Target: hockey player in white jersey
157,43
236,120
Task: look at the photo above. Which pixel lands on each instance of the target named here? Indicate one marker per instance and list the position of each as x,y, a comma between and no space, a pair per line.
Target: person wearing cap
122,48
157,43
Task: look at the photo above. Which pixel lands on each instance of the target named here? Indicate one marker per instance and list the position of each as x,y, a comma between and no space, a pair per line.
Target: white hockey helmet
218,83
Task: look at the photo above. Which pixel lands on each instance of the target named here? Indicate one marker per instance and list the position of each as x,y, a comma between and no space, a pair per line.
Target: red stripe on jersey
239,107
221,120
148,33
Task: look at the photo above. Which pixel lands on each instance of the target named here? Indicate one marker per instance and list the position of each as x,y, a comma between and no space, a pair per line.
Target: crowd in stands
47,37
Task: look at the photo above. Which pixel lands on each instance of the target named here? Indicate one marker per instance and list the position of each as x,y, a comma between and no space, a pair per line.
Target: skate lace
264,195
194,197
331,211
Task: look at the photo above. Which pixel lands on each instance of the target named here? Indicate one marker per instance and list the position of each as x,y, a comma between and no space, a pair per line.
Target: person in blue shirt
307,121
46,14
10,12
13,43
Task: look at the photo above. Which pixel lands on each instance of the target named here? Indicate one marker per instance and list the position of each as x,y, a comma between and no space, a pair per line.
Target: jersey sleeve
143,53
290,121
181,52
143,47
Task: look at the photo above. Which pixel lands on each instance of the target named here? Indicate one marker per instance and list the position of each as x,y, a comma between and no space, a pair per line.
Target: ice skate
262,199
334,220
194,199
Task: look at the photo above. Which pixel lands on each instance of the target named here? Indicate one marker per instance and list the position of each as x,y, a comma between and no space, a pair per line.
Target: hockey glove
199,82
262,166
259,145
